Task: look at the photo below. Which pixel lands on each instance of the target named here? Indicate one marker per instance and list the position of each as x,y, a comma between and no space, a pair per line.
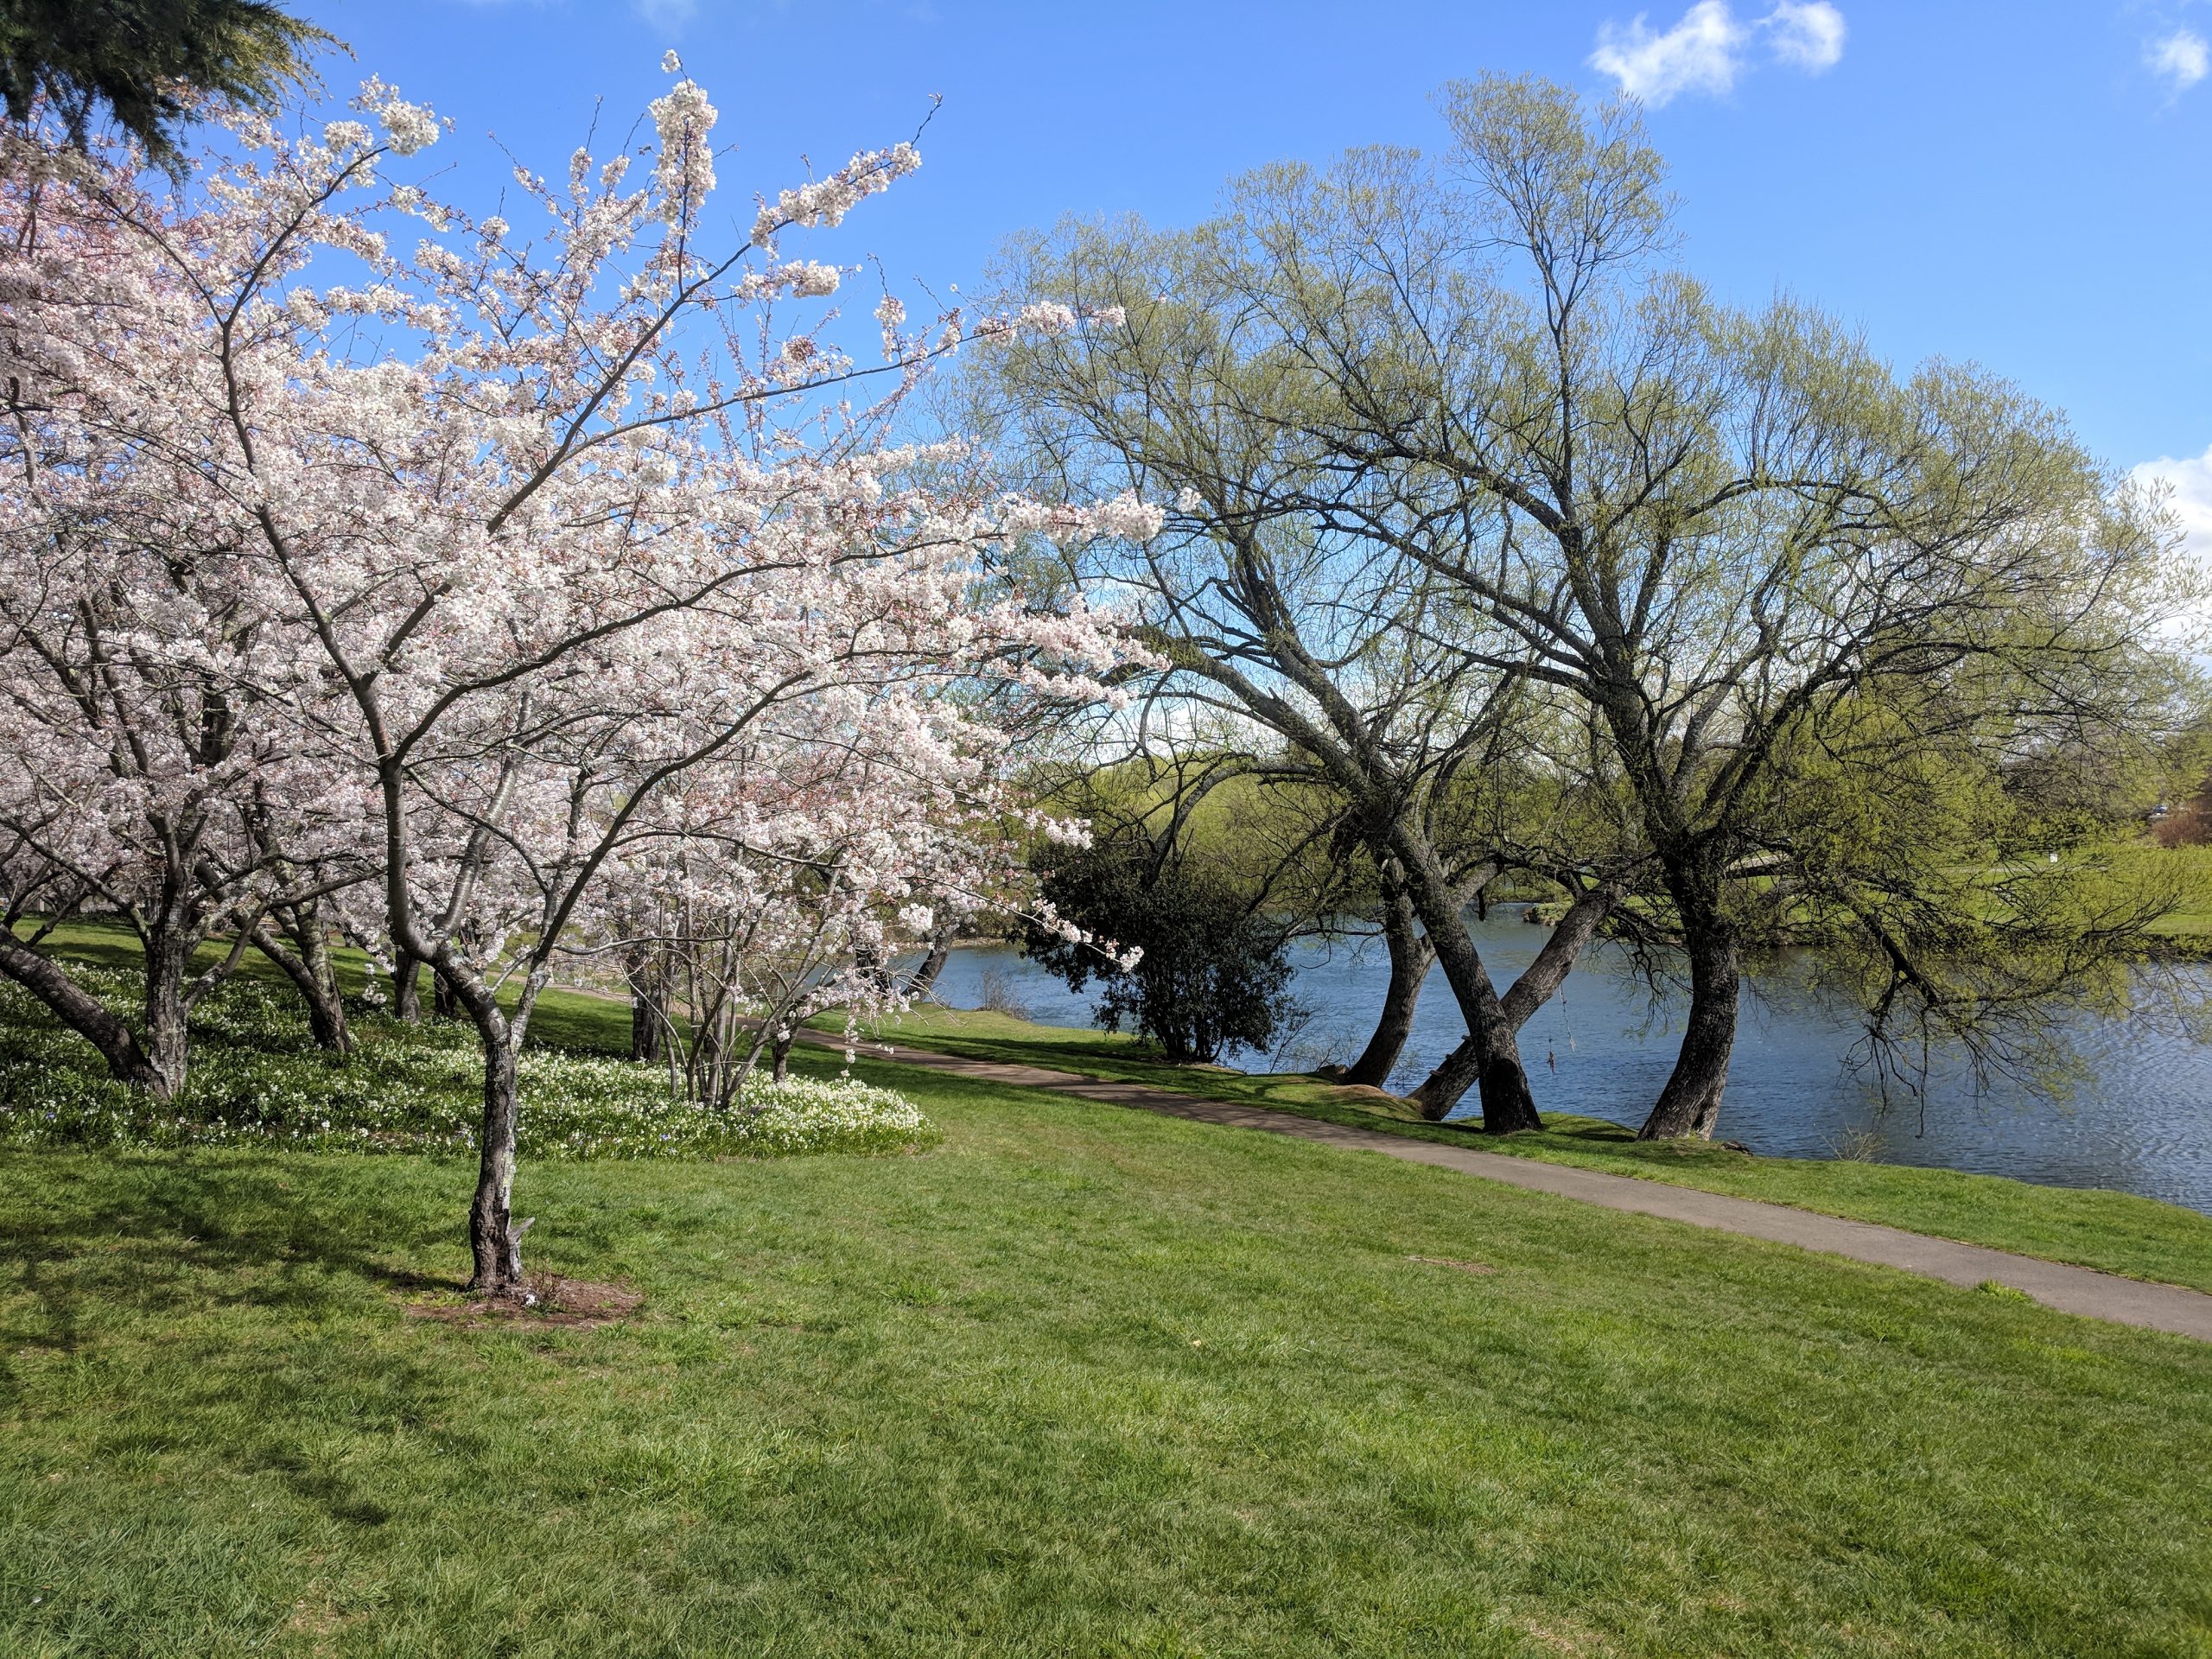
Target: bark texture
407,990
1410,961
1444,1087
82,1013
1499,1079
1690,1103
648,1007
925,980
305,961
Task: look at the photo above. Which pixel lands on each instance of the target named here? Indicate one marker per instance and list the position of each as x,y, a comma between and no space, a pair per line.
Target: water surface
2141,1121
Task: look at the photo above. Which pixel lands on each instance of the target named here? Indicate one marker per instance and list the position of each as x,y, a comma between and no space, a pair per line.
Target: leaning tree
1276,608
1721,532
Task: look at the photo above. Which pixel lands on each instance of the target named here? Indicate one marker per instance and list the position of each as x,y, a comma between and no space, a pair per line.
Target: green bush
1214,973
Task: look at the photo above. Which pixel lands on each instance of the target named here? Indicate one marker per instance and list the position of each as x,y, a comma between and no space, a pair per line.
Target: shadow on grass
159,1233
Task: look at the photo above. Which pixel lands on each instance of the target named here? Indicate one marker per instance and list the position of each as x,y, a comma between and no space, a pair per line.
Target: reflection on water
2141,1121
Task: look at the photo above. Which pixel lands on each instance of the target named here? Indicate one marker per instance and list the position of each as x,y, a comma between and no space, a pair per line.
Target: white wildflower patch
256,1081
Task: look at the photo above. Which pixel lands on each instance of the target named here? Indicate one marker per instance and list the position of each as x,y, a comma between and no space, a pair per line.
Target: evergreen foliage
144,60
1213,976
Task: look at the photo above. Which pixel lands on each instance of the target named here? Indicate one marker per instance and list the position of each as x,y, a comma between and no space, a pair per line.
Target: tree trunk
1537,983
1410,960
315,947
82,1013
781,1056
167,1042
869,964
407,990
1508,1106
494,1239
648,1006
313,977
925,979
495,1236
1690,1103
645,1029
444,1003
1442,1089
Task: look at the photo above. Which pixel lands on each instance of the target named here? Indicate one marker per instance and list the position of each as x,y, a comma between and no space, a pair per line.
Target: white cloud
2182,57
2187,487
1807,36
1705,52
1699,55
2189,481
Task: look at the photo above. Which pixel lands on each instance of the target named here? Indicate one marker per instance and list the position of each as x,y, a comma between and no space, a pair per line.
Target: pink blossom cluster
826,201
515,599
493,594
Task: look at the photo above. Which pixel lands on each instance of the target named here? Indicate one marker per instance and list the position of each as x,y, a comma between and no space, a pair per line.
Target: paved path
2074,1290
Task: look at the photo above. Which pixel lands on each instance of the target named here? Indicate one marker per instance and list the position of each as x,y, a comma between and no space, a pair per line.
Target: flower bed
256,1081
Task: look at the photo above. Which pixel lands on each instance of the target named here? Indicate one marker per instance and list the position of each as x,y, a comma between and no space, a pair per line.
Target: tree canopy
143,61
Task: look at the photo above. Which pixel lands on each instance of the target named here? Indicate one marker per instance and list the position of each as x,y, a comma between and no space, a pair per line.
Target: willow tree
1719,531
1446,428
1337,647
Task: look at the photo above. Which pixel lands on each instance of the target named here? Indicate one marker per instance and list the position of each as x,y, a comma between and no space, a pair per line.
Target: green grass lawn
2118,1232
1075,1380
1080,1381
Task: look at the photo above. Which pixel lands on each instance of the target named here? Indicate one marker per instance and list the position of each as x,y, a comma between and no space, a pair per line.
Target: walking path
2071,1289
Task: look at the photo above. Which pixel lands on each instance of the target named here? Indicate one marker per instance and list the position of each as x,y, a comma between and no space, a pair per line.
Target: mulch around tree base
568,1304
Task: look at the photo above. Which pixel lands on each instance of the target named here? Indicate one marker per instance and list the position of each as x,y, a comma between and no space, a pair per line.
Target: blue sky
2020,182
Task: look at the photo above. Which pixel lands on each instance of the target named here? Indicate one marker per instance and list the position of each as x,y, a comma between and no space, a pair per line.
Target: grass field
2115,1231
1075,1380
1080,1381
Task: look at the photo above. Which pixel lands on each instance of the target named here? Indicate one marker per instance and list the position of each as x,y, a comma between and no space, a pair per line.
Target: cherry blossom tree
149,694
547,528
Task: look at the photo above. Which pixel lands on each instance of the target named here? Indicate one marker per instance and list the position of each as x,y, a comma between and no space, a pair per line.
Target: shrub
1214,973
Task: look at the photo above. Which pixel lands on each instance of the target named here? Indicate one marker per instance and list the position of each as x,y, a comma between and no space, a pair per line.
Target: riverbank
2136,1117
2114,1232
1072,1380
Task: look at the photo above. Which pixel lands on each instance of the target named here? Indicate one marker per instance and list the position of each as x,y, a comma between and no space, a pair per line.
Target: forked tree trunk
1410,961
1444,1087
82,1013
1501,1083
1690,1103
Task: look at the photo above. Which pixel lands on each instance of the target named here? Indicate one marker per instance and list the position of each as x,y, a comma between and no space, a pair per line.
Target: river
2141,1121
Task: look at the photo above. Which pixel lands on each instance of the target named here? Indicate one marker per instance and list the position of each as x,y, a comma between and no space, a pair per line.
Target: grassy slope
1082,1382
2115,1231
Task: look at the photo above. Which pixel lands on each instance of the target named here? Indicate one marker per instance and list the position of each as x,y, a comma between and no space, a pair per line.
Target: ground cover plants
406,1088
